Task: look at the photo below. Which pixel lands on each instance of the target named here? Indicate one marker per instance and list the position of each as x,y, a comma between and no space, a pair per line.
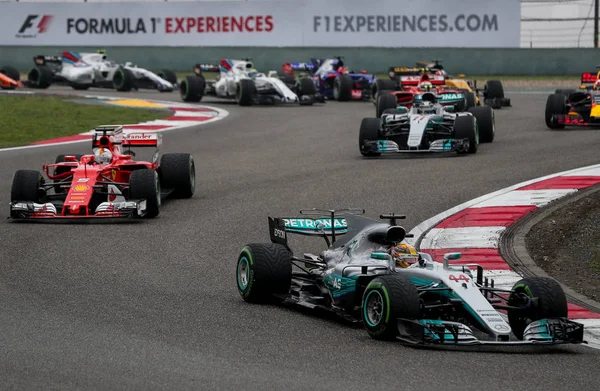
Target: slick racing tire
289,80
307,91
342,88
177,171
493,89
386,299
144,185
471,99
385,101
192,88
465,127
123,80
564,91
555,104
486,123
369,131
245,92
26,186
40,76
263,270
168,75
12,73
61,170
382,85
551,302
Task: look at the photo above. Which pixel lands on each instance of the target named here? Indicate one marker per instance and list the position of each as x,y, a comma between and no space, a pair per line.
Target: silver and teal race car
425,124
358,277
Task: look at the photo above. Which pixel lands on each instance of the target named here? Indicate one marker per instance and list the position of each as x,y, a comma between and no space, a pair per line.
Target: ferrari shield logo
113,174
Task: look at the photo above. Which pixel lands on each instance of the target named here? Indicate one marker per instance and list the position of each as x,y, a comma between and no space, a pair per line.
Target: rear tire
386,299
369,131
471,99
263,270
26,186
551,303
144,185
486,124
555,104
385,101
192,88
342,88
465,127
493,89
123,80
40,76
177,171
245,92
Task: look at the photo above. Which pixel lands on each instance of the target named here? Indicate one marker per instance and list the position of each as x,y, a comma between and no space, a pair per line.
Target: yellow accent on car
595,111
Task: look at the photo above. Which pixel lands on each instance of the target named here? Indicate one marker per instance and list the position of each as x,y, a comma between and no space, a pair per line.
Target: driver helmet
252,72
426,86
404,255
103,155
597,85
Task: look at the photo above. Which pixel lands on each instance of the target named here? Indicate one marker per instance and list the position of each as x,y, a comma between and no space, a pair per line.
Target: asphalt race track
154,305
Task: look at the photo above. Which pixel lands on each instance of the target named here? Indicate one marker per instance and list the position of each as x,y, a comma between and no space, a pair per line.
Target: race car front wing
32,210
441,145
438,332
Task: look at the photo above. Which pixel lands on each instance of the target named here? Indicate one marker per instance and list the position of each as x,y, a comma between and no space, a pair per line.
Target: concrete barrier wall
375,60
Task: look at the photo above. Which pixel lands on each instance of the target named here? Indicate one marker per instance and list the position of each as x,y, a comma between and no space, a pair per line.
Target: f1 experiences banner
351,23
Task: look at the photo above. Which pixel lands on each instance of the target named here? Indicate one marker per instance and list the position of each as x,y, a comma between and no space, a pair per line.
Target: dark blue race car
333,79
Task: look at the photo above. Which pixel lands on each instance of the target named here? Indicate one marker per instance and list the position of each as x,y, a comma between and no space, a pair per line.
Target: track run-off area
154,304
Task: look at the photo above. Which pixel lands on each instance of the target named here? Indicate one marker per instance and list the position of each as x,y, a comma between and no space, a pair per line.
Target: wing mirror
451,257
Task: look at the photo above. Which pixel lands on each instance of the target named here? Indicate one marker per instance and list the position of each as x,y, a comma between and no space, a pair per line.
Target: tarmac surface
154,305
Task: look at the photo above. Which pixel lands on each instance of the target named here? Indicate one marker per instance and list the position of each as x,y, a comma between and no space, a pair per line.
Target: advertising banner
301,23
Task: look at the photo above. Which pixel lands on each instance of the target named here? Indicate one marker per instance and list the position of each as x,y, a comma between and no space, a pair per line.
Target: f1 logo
42,25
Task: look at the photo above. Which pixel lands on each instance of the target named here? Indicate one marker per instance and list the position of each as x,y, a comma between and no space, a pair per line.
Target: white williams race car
84,70
239,81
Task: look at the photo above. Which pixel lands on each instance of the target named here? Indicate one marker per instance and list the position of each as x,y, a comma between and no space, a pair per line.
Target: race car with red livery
570,107
9,78
411,90
333,79
109,183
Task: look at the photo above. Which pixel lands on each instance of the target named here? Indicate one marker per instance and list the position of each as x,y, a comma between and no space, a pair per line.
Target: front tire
192,88
177,171
168,75
551,302
263,270
26,186
493,89
144,185
555,105
245,92
369,131
486,124
386,299
465,127
40,77
382,85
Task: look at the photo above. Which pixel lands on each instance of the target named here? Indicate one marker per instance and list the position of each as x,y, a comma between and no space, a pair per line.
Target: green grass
26,119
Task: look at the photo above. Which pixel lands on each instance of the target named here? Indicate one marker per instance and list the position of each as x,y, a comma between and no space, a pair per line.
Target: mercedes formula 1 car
570,107
239,81
106,184
427,126
425,303
84,70
333,78
492,93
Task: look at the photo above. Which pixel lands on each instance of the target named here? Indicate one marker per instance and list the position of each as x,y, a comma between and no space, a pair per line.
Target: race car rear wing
589,77
290,67
43,60
199,68
142,139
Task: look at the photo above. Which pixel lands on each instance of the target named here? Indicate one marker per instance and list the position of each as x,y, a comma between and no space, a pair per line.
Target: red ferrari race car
9,78
411,89
106,184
